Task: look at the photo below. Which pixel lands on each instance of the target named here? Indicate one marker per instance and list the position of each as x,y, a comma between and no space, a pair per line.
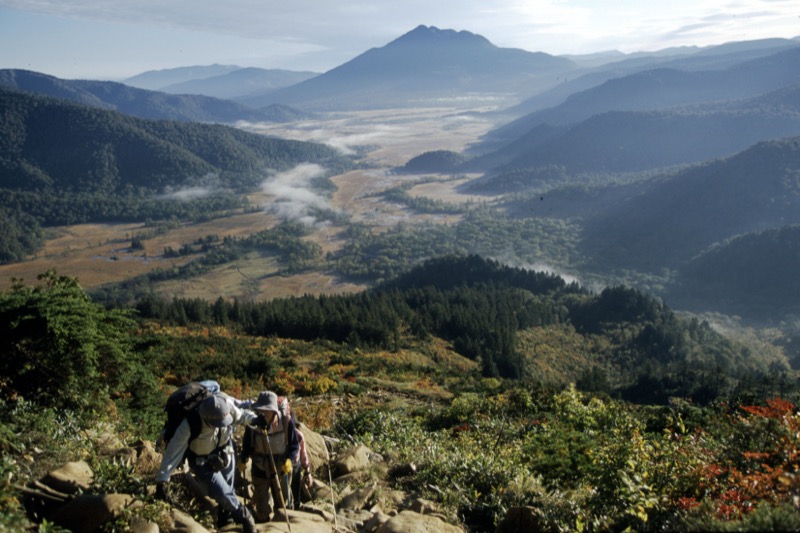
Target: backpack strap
195,426
195,423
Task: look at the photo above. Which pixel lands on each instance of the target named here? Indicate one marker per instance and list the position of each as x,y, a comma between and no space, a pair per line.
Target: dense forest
742,290
480,306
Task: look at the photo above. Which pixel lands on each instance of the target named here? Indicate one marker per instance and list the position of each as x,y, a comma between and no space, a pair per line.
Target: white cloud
293,197
345,139
199,187
187,193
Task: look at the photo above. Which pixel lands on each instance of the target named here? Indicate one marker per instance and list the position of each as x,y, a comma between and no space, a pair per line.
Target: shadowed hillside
142,103
682,215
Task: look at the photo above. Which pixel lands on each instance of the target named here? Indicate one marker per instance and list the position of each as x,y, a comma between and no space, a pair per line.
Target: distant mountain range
629,141
426,66
686,59
219,81
145,103
660,88
156,80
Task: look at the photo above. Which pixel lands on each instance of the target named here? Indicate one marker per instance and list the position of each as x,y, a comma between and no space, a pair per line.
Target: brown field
98,254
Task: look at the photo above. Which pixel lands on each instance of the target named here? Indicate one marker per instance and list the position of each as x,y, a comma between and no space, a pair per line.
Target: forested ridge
62,163
149,104
481,306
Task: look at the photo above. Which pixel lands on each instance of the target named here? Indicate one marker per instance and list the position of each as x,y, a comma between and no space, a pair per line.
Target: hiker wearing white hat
273,446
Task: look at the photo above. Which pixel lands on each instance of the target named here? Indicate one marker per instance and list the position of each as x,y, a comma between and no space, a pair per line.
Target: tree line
480,306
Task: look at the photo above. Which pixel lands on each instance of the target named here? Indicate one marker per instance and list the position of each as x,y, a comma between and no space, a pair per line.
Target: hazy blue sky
114,39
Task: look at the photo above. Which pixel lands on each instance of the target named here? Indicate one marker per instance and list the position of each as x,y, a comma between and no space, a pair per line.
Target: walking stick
278,479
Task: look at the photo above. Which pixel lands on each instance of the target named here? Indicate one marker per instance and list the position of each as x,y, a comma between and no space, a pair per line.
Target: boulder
87,513
184,523
318,455
411,522
320,491
144,526
395,499
358,499
320,511
301,523
71,478
148,460
352,460
519,520
423,506
376,520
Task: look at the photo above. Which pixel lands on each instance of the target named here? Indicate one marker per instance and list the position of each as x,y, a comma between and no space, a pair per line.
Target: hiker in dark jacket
273,435
211,456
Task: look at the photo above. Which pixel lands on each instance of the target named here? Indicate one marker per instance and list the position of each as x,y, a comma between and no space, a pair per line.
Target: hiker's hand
161,491
308,481
287,467
242,466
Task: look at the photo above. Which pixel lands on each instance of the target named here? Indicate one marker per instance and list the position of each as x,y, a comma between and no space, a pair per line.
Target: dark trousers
266,484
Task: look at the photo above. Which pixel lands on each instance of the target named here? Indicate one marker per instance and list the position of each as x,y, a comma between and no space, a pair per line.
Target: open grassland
100,254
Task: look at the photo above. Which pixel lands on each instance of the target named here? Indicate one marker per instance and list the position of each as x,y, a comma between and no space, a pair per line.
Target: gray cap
216,411
267,401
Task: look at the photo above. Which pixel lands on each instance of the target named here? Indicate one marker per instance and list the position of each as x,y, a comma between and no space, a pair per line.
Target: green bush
59,348
47,436
12,514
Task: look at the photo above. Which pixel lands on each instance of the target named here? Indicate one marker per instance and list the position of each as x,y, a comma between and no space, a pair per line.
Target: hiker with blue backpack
199,429
274,448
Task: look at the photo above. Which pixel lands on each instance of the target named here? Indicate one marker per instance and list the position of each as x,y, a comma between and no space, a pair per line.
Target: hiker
208,446
274,448
301,475
214,388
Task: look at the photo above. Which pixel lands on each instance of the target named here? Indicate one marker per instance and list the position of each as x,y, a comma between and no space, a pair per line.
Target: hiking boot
224,518
242,516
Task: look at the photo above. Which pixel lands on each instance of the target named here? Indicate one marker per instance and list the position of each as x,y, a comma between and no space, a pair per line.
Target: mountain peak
431,34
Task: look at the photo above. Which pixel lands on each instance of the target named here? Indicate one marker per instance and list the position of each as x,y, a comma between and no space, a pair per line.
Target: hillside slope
682,215
730,59
625,141
752,275
140,102
50,143
659,87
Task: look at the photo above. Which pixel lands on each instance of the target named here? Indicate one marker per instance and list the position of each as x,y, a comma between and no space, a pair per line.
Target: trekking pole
290,496
275,471
330,475
244,484
333,499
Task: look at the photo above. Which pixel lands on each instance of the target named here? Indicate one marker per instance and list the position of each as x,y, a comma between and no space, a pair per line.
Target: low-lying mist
294,198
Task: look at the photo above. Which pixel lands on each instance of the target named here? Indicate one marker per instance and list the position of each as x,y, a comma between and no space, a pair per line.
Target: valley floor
101,254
